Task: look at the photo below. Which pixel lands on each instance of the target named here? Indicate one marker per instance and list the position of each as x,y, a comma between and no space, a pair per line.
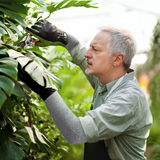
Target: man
117,126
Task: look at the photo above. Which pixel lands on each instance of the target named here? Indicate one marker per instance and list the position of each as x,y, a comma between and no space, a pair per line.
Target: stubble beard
88,72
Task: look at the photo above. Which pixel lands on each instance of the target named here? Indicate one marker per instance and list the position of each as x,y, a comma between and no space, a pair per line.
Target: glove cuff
45,93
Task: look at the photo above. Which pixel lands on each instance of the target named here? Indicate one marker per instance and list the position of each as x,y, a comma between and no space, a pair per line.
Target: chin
88,72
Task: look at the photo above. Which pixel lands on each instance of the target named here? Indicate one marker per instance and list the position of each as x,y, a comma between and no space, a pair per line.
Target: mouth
89,62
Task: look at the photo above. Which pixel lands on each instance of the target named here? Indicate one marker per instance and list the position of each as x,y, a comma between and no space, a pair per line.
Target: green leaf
9,61
18,1
2,31
15,16
3,98
34,49
45,73
6,84
9,70
30,133
18,124
40,137
14,26
8,149
51,8
19,49
22,143
18,91
42,2
22,133
70,4
20,39
38,2
19,8
60,5
13,37
3,52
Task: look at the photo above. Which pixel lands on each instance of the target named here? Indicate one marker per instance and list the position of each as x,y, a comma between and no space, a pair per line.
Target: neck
104,79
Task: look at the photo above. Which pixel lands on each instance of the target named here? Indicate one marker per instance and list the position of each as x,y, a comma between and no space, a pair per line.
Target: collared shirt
122,119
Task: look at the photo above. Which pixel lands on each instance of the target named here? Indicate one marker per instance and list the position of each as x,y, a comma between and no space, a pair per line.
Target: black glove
48,34
32,73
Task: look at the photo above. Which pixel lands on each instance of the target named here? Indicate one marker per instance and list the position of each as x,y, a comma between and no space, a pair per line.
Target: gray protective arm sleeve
68,124
72,44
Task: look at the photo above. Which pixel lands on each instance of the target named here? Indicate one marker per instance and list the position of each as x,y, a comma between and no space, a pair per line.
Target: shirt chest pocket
98,99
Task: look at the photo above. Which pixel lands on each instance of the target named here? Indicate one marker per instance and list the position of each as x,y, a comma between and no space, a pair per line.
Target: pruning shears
28,42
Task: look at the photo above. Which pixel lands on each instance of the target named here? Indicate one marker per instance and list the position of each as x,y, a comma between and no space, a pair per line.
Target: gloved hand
48,34
33,74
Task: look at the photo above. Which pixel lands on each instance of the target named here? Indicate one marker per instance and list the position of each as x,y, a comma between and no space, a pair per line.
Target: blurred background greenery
19,111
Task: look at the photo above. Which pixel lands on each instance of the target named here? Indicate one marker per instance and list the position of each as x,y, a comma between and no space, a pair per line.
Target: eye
95,49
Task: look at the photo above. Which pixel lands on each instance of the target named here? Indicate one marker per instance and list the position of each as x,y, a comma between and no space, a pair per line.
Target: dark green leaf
22,143
3,98
6,84
9,61
19,8
8,149
18,91
15,16
9,70
18,124
18,1
22,133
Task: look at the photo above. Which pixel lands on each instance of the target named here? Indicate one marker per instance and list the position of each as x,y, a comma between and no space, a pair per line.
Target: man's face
99,62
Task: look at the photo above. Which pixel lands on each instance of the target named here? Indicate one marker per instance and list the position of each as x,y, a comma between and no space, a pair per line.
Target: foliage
26,128
153,71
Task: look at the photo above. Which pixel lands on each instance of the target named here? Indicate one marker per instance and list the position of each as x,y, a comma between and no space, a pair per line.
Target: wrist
45,93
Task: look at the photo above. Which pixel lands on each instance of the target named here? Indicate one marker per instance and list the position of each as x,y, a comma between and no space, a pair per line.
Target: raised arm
50,35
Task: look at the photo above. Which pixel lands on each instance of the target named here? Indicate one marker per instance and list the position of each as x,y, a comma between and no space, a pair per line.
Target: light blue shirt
120,116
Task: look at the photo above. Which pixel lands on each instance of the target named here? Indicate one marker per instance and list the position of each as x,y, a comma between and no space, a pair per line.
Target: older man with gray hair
118,124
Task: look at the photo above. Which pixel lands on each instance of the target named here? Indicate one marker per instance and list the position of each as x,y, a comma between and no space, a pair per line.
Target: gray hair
121,41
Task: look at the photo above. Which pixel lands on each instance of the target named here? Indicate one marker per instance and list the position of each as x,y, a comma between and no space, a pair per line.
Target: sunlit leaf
31,135
38,2
40,137
3,52
14,26
13,37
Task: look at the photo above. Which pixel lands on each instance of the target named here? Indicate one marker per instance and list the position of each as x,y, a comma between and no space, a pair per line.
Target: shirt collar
128,76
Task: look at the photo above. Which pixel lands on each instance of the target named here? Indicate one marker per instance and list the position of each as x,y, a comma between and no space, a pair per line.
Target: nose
88,53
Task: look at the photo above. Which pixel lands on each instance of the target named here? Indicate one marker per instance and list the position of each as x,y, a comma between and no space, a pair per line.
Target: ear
118,60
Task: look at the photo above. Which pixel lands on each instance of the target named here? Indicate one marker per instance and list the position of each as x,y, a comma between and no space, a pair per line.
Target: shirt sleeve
109,120
77,52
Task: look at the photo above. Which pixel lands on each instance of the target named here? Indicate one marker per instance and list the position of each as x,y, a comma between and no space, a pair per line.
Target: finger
31,30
